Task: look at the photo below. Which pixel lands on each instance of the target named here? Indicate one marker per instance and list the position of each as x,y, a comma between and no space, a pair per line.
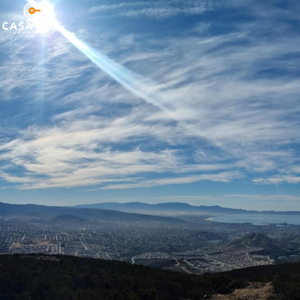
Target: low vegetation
66,278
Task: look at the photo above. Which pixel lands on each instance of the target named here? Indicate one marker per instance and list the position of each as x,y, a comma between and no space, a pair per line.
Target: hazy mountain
174,207
161,207
85,213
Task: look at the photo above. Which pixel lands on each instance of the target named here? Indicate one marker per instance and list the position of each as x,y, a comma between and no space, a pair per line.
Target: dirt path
255,291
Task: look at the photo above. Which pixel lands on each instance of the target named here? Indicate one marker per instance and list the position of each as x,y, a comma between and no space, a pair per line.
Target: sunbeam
135,83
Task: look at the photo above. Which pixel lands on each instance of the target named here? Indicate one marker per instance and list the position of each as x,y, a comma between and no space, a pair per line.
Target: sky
194,101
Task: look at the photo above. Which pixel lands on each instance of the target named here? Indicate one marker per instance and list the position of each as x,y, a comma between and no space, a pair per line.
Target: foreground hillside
65,277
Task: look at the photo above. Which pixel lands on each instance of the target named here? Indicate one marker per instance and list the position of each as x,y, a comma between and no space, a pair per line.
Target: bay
258,219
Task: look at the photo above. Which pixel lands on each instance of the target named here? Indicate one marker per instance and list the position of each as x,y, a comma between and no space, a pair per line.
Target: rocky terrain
254,291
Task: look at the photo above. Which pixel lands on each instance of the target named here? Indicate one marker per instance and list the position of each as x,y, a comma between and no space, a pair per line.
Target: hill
257,240
176,207
62,277
85,213
253,240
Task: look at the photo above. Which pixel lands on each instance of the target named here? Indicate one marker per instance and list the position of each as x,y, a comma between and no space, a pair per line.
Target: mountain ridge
177,206
85,213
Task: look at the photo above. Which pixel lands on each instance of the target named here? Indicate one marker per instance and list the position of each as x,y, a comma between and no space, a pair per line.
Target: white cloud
69,157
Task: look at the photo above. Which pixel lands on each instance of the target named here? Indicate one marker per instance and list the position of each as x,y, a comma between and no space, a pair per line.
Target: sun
44,17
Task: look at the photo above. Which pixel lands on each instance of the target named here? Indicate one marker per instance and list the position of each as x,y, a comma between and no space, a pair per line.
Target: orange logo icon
32,10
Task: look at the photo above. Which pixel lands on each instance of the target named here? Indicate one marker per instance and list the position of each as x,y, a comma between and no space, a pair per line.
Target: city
195,246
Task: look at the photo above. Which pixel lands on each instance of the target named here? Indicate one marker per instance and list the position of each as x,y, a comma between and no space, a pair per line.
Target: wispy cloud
157,9
220,177
278,179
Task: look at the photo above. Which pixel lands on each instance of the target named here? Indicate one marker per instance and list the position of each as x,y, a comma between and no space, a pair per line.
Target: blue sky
216,119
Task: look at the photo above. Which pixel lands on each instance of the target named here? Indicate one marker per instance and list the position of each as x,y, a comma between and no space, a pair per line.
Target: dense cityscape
194,246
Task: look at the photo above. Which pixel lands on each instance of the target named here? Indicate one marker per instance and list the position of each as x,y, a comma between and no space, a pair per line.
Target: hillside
85,213
63,277
68,278
258,240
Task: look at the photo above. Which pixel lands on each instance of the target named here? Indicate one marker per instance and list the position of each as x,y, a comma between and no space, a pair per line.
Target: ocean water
259,219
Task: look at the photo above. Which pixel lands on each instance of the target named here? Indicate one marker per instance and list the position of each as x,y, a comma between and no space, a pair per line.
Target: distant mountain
175,207
257,240
85,213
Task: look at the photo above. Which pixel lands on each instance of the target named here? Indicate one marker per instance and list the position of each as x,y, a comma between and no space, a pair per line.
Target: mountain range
176,207
84,213
126,212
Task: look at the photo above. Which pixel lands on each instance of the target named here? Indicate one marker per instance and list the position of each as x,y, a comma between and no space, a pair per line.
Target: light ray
139,86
